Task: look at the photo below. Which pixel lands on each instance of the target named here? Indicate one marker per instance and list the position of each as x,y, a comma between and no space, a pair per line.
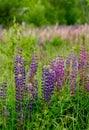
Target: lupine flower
32,73
32,95
48,83
33,68
58,67
20,79
84,67
29,100
32,85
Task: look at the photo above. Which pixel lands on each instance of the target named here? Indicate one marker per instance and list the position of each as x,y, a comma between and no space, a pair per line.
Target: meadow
44,78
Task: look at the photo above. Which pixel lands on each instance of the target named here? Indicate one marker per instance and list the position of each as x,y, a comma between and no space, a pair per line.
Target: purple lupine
53,66
82,58
52,81
57,66
83,53
32,73
32,95
32,84
84,67
29,100
20,79
73,74
60,69
48,83
33,68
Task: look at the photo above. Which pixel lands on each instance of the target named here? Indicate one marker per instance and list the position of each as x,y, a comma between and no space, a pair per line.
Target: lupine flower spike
32,85
48,83
58,67
32,76
20,78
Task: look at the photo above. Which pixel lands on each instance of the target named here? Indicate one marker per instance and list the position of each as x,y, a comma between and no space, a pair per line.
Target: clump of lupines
58,67
48,83
52,75
20,80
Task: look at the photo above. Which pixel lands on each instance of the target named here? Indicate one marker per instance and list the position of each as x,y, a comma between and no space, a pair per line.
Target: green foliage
8,9
58,41
42,12
36,14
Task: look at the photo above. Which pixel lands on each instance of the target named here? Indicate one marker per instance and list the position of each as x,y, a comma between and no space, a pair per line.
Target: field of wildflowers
44,79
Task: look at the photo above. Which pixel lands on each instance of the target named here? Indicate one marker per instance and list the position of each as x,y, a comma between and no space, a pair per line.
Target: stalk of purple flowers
57,66
20,80
32,77
32,85
48,83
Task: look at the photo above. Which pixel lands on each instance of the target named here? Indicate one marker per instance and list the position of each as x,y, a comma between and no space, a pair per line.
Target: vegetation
44,86
46,12
44,65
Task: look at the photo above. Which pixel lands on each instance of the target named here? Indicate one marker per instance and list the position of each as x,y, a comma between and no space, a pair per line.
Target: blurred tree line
44,12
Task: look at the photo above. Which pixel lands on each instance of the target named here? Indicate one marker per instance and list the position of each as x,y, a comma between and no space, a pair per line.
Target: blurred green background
44,12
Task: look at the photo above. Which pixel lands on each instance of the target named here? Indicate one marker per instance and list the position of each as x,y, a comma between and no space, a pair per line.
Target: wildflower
48,83
20,81
58,67
33,68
